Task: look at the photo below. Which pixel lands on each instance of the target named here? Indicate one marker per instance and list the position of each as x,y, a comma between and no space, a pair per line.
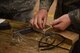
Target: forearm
45,4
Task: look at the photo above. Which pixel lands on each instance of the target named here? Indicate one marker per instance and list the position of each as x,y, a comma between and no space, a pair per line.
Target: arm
45,4
75,16
71,19
75,19
5,13
74,6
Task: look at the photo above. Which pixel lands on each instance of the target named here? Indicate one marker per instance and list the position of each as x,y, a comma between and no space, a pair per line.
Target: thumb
55,22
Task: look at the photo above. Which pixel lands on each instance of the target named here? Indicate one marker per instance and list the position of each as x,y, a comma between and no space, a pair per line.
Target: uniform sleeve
45,4
6,14
75,19
75,16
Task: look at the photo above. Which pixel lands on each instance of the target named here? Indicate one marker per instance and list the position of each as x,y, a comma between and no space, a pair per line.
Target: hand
39,20
62,22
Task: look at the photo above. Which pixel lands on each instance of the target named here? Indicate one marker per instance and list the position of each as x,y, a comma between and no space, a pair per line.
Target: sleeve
45,4
75,16
5,13
75,19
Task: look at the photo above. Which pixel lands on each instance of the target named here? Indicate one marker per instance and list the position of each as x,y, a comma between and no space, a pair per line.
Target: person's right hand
40,19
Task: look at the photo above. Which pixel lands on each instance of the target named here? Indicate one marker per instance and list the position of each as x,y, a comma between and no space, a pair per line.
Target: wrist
43,8
43,11
69,20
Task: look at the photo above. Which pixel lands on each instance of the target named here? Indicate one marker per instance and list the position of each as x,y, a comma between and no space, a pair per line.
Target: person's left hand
62,22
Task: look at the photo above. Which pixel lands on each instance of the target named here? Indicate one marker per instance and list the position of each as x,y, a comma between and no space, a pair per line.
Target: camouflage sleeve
75,19
75,15
45,4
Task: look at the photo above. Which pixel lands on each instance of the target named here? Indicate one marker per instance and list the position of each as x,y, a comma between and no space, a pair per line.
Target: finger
60,26
31,21
44,21
55,22
36,22
40,22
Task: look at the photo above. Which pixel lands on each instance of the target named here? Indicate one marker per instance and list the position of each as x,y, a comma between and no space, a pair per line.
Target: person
21,10
67,17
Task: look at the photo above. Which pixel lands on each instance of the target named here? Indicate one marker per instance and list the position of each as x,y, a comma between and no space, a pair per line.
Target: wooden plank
71,36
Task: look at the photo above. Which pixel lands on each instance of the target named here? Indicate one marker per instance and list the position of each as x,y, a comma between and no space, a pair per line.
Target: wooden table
29,43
